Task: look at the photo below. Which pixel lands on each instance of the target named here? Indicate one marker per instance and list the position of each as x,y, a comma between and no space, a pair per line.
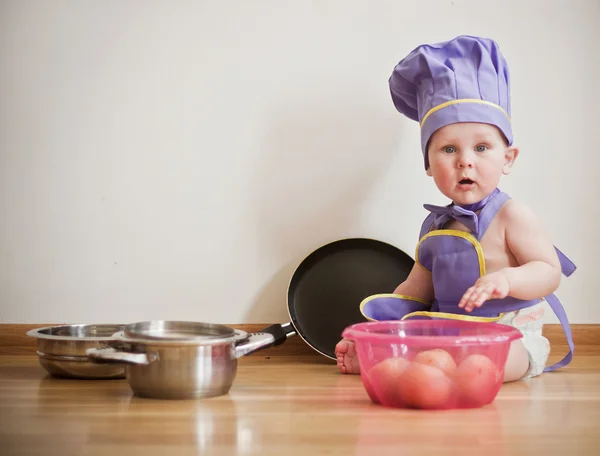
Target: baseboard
14,340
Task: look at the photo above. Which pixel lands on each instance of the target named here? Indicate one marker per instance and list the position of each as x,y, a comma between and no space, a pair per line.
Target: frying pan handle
280,332
269,337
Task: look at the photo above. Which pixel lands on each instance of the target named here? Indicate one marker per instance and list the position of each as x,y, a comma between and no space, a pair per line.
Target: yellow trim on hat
462,100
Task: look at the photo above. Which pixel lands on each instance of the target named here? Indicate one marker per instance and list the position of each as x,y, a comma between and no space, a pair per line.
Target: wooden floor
292,406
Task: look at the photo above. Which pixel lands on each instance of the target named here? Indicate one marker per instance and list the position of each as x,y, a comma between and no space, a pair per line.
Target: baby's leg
347,360
517,363
527,356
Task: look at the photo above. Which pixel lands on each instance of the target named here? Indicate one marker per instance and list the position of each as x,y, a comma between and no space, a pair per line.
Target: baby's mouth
466,182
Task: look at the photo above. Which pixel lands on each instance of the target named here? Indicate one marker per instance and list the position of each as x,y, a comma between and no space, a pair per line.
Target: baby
485,257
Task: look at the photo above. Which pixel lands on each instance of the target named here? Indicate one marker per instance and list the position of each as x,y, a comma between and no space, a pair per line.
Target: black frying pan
328,286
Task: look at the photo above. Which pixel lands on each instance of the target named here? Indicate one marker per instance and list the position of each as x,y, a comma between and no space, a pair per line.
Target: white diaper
529,322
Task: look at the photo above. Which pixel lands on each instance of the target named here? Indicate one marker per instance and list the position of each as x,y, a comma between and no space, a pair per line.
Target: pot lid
179,331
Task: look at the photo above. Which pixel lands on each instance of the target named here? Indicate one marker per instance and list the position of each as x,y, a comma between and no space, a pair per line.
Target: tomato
384,378
425,386
437,358
477,380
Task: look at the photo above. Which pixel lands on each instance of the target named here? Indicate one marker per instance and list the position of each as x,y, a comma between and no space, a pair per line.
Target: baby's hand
490,286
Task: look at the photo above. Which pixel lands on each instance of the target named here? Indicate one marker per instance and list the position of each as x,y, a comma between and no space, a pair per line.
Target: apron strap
566,265
489,211
562,317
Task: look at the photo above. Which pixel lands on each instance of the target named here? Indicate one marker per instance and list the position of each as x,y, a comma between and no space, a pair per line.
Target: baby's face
466,160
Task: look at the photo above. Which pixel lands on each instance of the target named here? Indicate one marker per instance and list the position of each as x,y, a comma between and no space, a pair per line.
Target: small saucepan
61,350
183,360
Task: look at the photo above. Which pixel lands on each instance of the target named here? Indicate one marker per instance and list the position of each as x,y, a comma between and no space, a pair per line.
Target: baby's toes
342,347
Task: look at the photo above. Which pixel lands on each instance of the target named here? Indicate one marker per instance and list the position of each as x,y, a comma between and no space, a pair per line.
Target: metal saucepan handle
111,355
268,337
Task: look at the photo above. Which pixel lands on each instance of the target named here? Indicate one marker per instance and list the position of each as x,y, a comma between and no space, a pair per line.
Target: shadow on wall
320,160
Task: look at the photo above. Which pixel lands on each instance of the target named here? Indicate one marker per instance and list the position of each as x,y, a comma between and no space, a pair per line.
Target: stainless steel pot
62,349
183,360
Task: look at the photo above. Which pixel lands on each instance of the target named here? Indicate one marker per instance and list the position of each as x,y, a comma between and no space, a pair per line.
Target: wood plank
295,406
14,341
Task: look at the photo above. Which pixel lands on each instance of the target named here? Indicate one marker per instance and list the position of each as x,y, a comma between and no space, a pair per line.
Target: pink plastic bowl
432,364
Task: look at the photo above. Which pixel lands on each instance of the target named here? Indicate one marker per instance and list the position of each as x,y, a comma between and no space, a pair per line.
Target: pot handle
269,337
107,355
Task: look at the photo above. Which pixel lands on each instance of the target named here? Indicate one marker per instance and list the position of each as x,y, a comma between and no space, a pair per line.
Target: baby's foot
347,360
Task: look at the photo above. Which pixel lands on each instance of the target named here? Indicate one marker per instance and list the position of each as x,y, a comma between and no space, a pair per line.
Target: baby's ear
510,155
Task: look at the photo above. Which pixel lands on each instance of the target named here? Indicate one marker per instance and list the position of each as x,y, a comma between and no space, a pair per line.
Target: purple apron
455,260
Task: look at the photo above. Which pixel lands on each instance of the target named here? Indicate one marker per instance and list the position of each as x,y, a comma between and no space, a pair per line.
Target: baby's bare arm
539,271
418,284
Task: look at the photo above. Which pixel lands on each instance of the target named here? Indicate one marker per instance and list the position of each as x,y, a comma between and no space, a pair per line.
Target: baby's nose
465,160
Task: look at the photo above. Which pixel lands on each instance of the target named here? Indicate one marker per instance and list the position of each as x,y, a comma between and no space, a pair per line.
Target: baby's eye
481,148
449,149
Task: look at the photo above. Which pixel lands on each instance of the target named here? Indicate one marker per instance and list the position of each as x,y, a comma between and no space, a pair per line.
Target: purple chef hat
462,80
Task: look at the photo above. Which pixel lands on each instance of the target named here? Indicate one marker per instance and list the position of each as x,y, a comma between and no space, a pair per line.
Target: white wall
178,159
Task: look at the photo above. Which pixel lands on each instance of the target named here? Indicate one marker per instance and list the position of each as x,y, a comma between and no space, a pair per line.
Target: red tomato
425,386
477,380
384,378
437,358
